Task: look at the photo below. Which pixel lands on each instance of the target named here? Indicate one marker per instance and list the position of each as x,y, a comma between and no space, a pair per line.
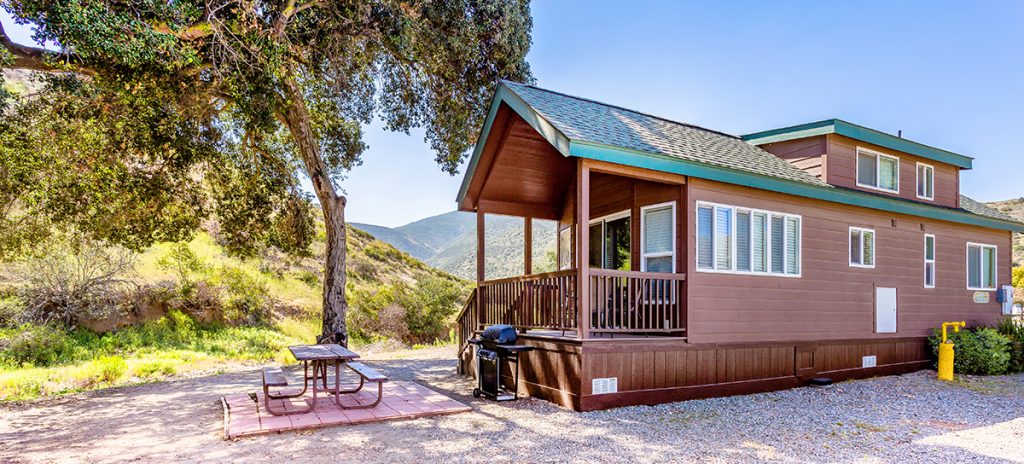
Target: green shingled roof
590,129
585,120
982,209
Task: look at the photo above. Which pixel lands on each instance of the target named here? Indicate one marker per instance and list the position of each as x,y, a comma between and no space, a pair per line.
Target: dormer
856,157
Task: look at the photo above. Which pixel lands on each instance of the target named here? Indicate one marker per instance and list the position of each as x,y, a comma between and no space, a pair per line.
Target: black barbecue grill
497,343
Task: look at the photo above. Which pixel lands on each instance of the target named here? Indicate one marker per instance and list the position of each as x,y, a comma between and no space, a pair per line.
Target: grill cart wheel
476,393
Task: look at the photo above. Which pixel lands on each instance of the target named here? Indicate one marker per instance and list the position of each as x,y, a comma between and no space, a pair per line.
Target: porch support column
583,247
480,270
527,246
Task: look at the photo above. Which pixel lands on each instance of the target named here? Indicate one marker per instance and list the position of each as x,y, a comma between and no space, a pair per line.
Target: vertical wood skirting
583,247
527,246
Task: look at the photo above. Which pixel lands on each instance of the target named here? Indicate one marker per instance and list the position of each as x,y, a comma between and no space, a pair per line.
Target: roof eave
827,193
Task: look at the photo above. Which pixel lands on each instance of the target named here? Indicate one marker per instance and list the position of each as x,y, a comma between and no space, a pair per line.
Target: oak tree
159,113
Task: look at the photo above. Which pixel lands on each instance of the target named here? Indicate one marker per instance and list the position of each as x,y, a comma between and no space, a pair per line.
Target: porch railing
623,302
636,302
466,322
536,301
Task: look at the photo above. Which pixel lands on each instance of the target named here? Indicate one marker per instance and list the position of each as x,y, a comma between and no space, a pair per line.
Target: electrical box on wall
869,361
1005,297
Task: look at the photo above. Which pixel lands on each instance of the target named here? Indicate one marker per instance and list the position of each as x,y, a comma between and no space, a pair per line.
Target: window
609,242
981,266
929,261
925,181
878,171
658,237
862,247
739,240
565,248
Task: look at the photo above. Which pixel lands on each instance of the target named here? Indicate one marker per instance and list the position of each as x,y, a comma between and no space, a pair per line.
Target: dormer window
925,181
878,171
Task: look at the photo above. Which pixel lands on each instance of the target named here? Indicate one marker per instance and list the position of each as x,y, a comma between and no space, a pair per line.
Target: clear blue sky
947,74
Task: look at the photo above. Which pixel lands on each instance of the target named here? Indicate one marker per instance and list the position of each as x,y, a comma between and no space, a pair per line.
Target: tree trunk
335,307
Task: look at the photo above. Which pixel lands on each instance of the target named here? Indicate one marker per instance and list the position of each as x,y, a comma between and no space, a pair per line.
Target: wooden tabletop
322,352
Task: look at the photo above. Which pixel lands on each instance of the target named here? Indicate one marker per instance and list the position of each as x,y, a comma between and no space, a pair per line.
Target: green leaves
176,112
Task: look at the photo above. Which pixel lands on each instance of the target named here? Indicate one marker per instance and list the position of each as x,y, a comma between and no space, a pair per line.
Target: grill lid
502,334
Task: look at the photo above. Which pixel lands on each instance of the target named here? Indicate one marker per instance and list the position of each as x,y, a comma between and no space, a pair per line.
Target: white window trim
874,247
935,254
917,179
602,220
981,268
643,226
878,170
732,243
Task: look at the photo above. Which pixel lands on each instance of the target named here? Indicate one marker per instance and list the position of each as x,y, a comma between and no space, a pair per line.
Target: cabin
694,263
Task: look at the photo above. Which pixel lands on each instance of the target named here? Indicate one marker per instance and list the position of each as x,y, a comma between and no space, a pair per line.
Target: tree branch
39,59
188,34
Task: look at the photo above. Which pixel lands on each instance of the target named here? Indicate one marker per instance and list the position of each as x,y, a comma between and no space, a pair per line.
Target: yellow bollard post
946,351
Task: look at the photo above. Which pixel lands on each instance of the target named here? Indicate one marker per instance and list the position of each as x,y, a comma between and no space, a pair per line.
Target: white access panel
885,310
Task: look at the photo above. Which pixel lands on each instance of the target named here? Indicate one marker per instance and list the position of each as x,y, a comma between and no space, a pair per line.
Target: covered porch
631,276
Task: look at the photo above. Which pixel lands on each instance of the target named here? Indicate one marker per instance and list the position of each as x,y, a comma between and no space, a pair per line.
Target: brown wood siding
662,370
552,371
807,154
842,171
610,194
833,300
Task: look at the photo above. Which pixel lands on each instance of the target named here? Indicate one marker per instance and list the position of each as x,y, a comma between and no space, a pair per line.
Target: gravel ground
891,419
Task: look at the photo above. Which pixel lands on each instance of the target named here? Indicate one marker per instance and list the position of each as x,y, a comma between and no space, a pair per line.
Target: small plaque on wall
981,297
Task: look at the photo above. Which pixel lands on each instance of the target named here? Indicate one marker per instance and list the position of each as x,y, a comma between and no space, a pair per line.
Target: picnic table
315,361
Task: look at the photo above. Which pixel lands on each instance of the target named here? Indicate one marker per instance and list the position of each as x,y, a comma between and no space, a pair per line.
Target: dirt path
907,418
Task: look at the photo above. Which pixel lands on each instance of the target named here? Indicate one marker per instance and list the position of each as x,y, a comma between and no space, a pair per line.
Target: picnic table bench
319,357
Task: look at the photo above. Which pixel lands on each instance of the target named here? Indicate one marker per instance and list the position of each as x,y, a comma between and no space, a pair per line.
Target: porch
627,262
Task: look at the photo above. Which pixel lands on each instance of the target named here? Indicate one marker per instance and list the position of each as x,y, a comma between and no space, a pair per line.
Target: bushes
248,297
411,314
109,369
1014,331
979,351
71,284
36,345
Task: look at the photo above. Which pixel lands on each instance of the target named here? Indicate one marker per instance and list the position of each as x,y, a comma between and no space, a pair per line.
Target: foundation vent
869,361
605,385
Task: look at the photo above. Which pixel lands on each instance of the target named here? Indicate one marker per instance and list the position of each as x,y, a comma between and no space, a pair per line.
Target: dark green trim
505,95
864,134
688,168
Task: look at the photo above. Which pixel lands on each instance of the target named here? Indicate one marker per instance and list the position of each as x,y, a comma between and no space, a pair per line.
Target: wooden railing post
583,248
480,269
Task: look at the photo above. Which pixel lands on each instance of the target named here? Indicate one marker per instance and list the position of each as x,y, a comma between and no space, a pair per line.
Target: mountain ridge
448,242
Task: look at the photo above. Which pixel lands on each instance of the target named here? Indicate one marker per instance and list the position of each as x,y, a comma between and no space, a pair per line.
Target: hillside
448,242
372,264
1015,208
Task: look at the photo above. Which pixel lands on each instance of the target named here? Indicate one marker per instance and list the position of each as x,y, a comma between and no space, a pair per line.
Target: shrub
11,308
411,314
980,351
1014,331
182,261
68,284
248,297
38,345
108,369
309,278
154,369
